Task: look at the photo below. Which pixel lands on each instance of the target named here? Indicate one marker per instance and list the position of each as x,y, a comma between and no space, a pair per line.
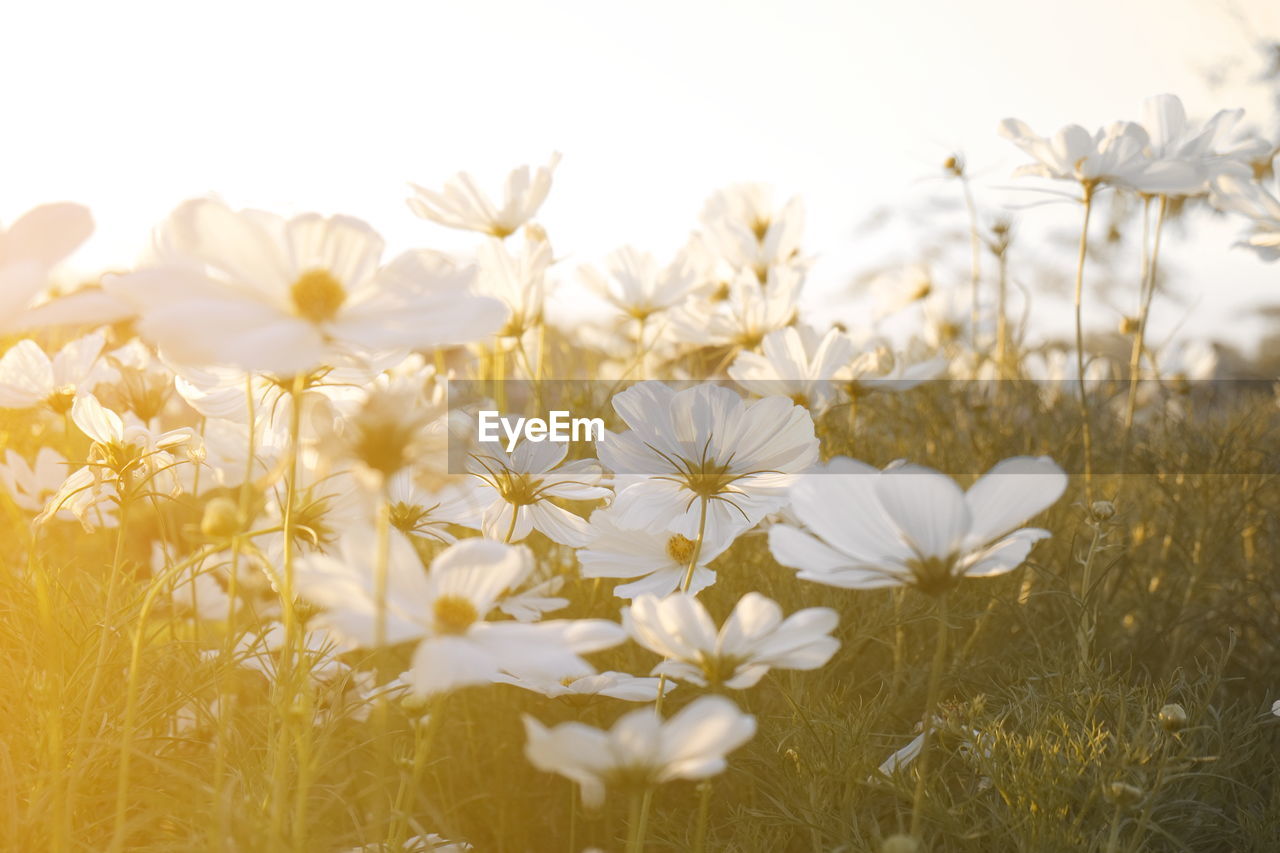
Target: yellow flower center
60,400
454,614
317,295
680,549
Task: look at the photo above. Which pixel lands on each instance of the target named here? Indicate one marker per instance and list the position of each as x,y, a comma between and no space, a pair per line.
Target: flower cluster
264,407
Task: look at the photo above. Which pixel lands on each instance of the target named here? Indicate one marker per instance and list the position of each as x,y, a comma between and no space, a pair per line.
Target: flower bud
221,518
1124,794
1102,510
900,844
1129,325
1173,717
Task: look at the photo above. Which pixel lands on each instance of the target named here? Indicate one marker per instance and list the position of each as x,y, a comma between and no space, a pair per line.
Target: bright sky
131,107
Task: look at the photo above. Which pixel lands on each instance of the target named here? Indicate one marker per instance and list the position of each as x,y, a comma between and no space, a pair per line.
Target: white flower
255,291
518,487
28,377
518,279
1115,155
461,204
1236,192
431,843
31,485
754,639
29,248
445,611
750,312
615,685
704,444
1207,148
881,369
747,231
659,562
796,363
125,455
637,287
912,525
641,750
418,512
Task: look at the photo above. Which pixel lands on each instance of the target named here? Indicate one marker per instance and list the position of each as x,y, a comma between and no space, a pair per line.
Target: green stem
639,817
931,706
975,271
1084,633
1147,296
131,692
290,651
704,812
1079,301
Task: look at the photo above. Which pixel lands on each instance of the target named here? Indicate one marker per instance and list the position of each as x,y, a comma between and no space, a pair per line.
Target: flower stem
1087,199
1148,292
381,710
1084,632
931,706
704,811
639,817
975,271
290,651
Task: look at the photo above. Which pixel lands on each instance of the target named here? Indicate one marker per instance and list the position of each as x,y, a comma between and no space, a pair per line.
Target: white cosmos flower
31,485
253,290
1236,192
658,562
911,525
754,639
750,312
415,511
641,750
29,248
879,368
749,232
704,443
795,363
125,454
445,611
517,278
517,490
615,685
1115,156
461,204
28,377
1208,148
637,286
431,843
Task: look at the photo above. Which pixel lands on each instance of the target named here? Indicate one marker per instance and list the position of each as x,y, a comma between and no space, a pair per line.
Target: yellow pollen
680,549
317,295
454,614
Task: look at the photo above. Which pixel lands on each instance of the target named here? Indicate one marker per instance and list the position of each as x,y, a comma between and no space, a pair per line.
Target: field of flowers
813,589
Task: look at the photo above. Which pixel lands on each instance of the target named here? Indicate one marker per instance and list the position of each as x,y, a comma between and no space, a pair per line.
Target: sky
132,107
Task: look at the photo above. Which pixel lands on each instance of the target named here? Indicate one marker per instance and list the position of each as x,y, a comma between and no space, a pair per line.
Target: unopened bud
1173,717
900,844
1103,510
1124,794
221,519
1129,325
